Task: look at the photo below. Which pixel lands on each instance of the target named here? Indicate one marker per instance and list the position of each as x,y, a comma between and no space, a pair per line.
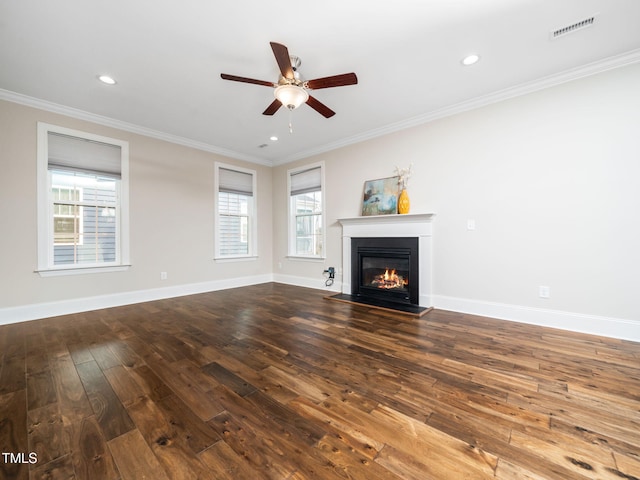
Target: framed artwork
380,196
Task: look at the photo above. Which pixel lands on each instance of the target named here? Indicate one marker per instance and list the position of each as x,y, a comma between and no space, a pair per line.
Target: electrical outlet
471,224
163,275
544,291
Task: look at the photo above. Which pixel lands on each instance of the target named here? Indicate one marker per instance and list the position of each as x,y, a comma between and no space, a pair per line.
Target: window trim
45,263
252,216
291,222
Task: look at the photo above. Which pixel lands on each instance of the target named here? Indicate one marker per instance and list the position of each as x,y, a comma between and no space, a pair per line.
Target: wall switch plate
544,291
471,224
163,275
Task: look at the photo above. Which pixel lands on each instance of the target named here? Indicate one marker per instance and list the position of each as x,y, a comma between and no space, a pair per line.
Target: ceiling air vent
561,32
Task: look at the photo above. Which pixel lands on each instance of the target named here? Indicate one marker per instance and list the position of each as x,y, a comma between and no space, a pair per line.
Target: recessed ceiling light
107,79
273,138
470,59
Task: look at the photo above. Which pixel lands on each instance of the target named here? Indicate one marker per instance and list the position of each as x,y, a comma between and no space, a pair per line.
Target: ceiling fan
291,90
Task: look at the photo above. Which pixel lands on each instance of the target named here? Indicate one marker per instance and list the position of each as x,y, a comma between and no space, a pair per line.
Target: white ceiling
167,57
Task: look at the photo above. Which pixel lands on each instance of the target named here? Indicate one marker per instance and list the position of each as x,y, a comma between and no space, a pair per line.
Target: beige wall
171,217
551,180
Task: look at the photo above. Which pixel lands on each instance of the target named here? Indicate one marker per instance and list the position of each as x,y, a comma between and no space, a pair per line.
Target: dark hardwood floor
275,382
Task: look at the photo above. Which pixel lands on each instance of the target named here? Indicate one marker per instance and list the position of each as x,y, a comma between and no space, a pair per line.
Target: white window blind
233,181
83,155
306,181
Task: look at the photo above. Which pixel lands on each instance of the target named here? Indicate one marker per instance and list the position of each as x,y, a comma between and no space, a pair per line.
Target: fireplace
393,240
385,269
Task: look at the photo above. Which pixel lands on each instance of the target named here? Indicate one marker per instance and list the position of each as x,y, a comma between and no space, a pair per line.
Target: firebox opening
385,269
384,273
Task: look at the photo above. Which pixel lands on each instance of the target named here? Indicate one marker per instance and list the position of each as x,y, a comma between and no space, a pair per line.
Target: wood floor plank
72,399
226,464
198,400
59,469
13,434
12,372
111,415
294,383
626,465
582,458
453,454
176,458
285,446
80,352
104,356
124,385
150,383
134,458
423,467
89,452
47,434
272,381
247,443
291,423
197,434
229,379
356,462
40,388
192,373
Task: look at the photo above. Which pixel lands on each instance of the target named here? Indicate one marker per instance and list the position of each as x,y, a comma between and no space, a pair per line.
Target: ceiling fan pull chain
290,121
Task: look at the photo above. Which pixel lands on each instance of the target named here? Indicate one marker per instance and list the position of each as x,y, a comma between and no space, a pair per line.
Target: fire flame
390,279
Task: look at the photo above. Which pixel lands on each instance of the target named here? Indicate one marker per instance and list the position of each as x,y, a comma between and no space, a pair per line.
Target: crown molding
570,75
127,127
600,66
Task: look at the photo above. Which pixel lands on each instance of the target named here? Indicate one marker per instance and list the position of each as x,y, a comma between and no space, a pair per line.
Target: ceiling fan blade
273,108
333,81
235,78
282,57
321,108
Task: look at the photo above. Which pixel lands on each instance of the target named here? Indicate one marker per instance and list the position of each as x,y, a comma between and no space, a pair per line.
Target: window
306,204
66,215
82,201
235,213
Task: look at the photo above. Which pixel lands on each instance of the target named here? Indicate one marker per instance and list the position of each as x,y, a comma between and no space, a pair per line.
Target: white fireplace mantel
409,225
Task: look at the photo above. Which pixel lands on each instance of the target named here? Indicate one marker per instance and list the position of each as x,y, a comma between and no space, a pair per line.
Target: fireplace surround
417,227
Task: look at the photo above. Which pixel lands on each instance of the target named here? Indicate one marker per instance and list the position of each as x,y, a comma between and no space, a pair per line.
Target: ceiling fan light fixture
291,96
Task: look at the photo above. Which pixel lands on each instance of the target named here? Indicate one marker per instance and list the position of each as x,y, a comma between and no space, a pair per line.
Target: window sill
303,258
59,272
244,258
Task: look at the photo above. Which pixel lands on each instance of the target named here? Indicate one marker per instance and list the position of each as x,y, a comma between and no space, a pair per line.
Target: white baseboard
620,328
317,283
76,305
